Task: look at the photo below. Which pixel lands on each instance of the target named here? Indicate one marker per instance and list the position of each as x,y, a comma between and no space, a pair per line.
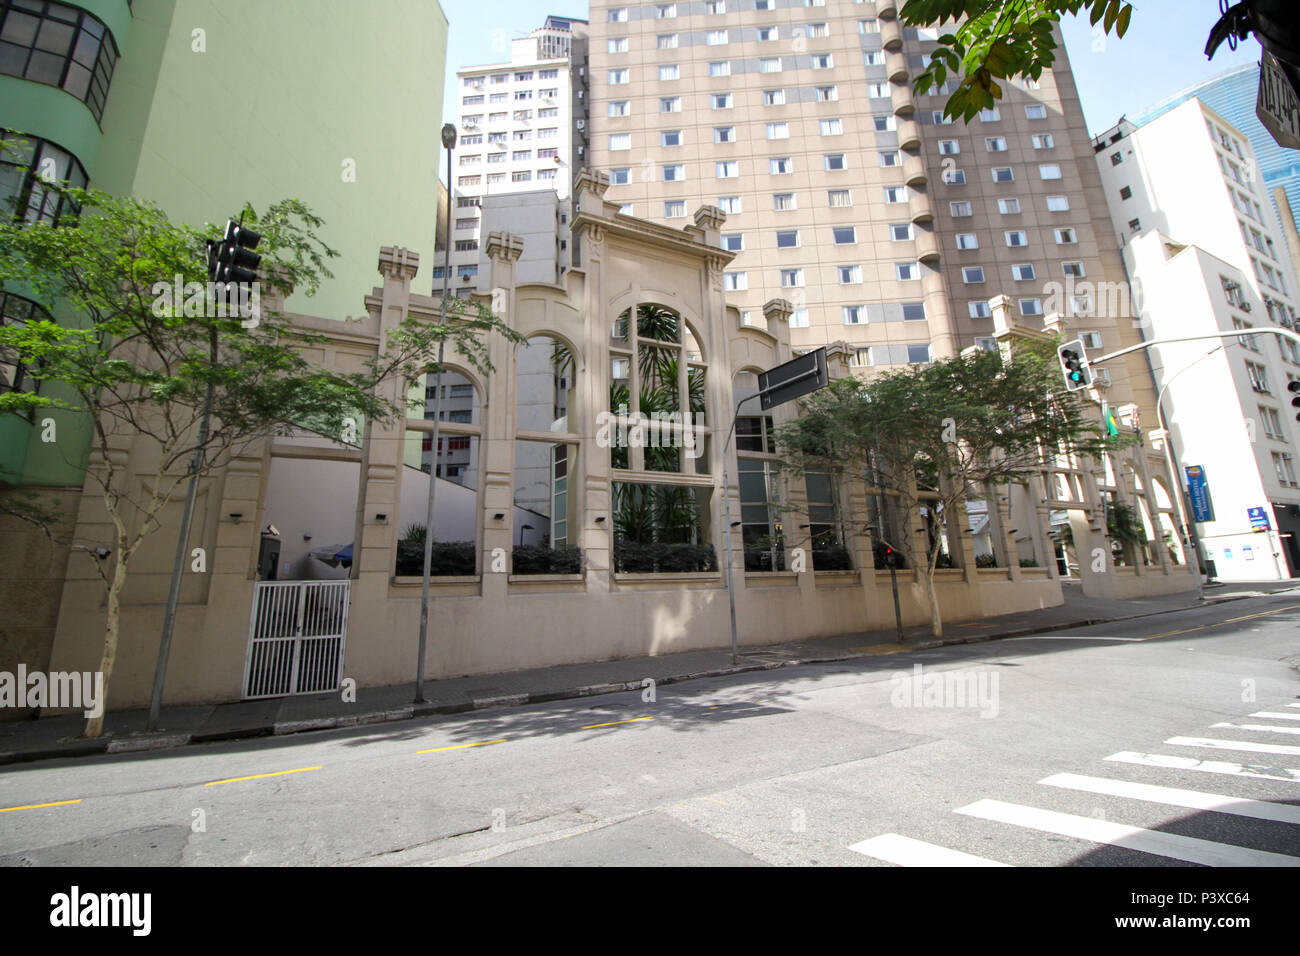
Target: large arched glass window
59,45
657,393
14,373
545,520
762,523
658,443
27,168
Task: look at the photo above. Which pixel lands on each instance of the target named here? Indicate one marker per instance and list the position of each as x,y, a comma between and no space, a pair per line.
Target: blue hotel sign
1259,519
1198,492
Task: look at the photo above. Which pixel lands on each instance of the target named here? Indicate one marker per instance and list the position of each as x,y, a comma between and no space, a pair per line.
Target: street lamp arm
1238,333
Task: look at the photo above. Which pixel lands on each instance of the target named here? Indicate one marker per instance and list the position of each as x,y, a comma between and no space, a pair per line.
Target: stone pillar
595,534
497,453
374,546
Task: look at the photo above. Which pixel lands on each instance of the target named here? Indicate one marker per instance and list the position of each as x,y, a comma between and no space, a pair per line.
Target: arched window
27,168
656,429
455,529
59,45
15,375
545,520
761,516
657,393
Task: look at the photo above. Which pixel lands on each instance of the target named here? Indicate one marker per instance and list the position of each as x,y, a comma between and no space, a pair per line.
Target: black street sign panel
795,378
1277,106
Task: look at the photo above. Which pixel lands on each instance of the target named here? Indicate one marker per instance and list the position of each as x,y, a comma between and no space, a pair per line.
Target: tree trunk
95,725
936,619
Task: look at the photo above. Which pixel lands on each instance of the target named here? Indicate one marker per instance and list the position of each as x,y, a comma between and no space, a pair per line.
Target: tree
931,434
140,361
998,40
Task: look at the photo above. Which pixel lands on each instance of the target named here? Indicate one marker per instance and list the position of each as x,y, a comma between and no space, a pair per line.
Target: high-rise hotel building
886,226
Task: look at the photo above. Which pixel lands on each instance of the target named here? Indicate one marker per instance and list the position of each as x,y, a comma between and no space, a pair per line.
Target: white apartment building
523,127
1204,255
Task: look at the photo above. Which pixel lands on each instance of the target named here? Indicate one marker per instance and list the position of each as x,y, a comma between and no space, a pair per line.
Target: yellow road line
1231,620
37,806
259,776
1186,630
632,720
882,649
481,743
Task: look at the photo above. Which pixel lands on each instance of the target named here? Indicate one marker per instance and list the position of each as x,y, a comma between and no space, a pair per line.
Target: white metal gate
296,634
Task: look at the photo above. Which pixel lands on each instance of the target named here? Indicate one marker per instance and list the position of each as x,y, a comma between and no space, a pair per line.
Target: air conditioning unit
580,150
1245,306
465,278
581,124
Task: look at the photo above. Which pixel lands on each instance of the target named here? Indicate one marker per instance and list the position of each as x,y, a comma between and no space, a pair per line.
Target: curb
139,743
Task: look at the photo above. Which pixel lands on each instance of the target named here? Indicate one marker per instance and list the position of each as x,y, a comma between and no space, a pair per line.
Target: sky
1162,52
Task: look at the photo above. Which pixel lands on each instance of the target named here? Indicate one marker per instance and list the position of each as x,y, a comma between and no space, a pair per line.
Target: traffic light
1074,365
1111,421
1294,388
233,259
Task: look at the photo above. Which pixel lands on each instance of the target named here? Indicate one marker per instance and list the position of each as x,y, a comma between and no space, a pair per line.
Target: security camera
102,553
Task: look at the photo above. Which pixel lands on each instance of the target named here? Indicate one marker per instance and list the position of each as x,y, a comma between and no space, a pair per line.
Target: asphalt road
1171,740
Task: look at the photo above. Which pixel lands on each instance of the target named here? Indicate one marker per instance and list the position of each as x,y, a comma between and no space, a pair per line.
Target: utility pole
448,141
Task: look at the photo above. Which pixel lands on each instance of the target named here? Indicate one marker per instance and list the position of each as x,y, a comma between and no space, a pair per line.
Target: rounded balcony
927,245
886,9
896,66
914,173
891,34
920,207
901,95
909,132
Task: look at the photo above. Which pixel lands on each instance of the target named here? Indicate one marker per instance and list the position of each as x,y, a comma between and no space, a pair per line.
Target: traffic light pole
182,546
1235,333
226,267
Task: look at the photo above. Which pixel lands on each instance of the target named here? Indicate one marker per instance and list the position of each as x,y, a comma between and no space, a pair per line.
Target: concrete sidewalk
27,740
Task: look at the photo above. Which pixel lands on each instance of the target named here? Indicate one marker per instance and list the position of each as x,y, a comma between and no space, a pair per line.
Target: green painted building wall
218,102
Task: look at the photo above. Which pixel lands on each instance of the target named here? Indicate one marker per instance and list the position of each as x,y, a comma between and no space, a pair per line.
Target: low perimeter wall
502,623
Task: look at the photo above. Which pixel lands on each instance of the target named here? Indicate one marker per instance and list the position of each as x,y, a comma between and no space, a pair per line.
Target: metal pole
726,520
178,563
893,561
449,141
1193,546
1235,333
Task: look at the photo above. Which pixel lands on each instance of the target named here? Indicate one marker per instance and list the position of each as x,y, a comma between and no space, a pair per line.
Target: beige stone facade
496,619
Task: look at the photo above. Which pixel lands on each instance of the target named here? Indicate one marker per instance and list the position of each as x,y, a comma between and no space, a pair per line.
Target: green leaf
1112,11
1121,22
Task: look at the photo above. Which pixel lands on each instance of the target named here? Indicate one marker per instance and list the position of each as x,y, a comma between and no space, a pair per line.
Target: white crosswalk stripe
1266,728
1172,845
1247,745
1152,839
1170,762
905,851
1174,797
